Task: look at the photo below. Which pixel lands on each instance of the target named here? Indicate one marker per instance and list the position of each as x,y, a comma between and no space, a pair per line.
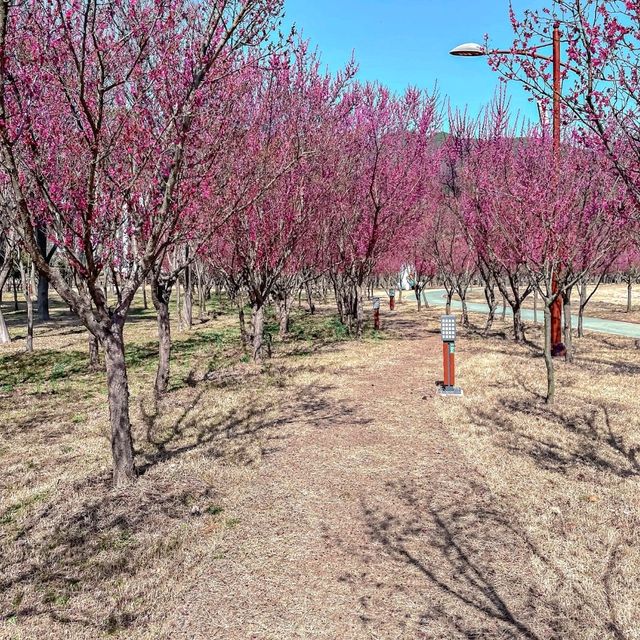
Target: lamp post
472,50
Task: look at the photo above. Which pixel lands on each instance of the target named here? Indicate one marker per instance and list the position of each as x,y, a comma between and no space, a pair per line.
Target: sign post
392,299
376,313
448,333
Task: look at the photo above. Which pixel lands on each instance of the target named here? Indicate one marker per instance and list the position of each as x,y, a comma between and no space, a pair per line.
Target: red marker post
448,333
376,313
392,299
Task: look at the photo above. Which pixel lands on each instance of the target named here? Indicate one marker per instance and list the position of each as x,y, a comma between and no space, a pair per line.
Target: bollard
448,334
376,313
392,299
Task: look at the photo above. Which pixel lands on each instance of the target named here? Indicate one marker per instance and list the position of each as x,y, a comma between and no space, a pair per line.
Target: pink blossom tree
383,163
558,215
98,107
601,81
292,106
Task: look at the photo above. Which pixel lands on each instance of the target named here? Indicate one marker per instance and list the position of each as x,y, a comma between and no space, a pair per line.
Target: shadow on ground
464,568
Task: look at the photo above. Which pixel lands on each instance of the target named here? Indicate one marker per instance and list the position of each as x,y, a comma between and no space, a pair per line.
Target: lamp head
469,50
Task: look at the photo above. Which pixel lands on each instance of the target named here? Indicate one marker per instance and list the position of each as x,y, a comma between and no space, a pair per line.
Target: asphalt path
437,297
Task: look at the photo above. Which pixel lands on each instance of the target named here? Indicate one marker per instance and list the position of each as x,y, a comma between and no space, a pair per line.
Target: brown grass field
330,494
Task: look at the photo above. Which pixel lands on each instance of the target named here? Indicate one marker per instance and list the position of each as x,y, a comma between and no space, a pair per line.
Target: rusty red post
392,299
445,364
448,333
376,313
557,347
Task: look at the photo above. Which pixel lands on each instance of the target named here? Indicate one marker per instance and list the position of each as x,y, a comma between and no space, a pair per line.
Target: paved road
436,297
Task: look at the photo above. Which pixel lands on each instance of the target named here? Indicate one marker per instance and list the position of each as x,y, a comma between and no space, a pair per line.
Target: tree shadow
88,539
470,565
587,438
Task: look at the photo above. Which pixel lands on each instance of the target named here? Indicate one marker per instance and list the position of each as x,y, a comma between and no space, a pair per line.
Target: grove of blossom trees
192,144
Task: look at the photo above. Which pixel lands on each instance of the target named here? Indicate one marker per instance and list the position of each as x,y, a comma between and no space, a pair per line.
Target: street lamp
472,50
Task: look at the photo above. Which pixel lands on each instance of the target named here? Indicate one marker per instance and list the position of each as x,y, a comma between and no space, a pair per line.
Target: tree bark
518,325
27,290
257,337
465,312
188,293
202,304
179,304
244,336
43,282
145,302
283,316
5,338
160,295
94,352
359,312
118,390
568,342
629,294
492,303
548,359
535,307
582,287
312,306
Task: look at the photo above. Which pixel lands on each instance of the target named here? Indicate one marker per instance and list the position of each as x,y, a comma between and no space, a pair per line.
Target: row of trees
179,142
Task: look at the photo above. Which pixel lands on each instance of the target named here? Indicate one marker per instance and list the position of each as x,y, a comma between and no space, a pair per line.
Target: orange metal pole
445,363
452,369
556,308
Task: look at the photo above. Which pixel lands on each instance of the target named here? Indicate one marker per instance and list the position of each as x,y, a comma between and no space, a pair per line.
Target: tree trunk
27,290
504,308
490,297
179,306
359,311
548,359
15,296
160,295
418,298
535,307
583,303
43,283
448,305
312,306
257,329
118,390
202,300
5,338
568,343
145,302
629,293
43,298
283,316
518,325
94,352
188,294
465,312
244,336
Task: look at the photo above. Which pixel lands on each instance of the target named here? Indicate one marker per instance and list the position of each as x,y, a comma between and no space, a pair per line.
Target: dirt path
366,521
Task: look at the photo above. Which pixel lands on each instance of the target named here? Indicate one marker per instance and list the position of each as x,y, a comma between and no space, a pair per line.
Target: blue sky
406,42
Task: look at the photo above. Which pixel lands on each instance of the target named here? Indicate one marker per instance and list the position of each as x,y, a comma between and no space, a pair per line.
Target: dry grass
330,494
